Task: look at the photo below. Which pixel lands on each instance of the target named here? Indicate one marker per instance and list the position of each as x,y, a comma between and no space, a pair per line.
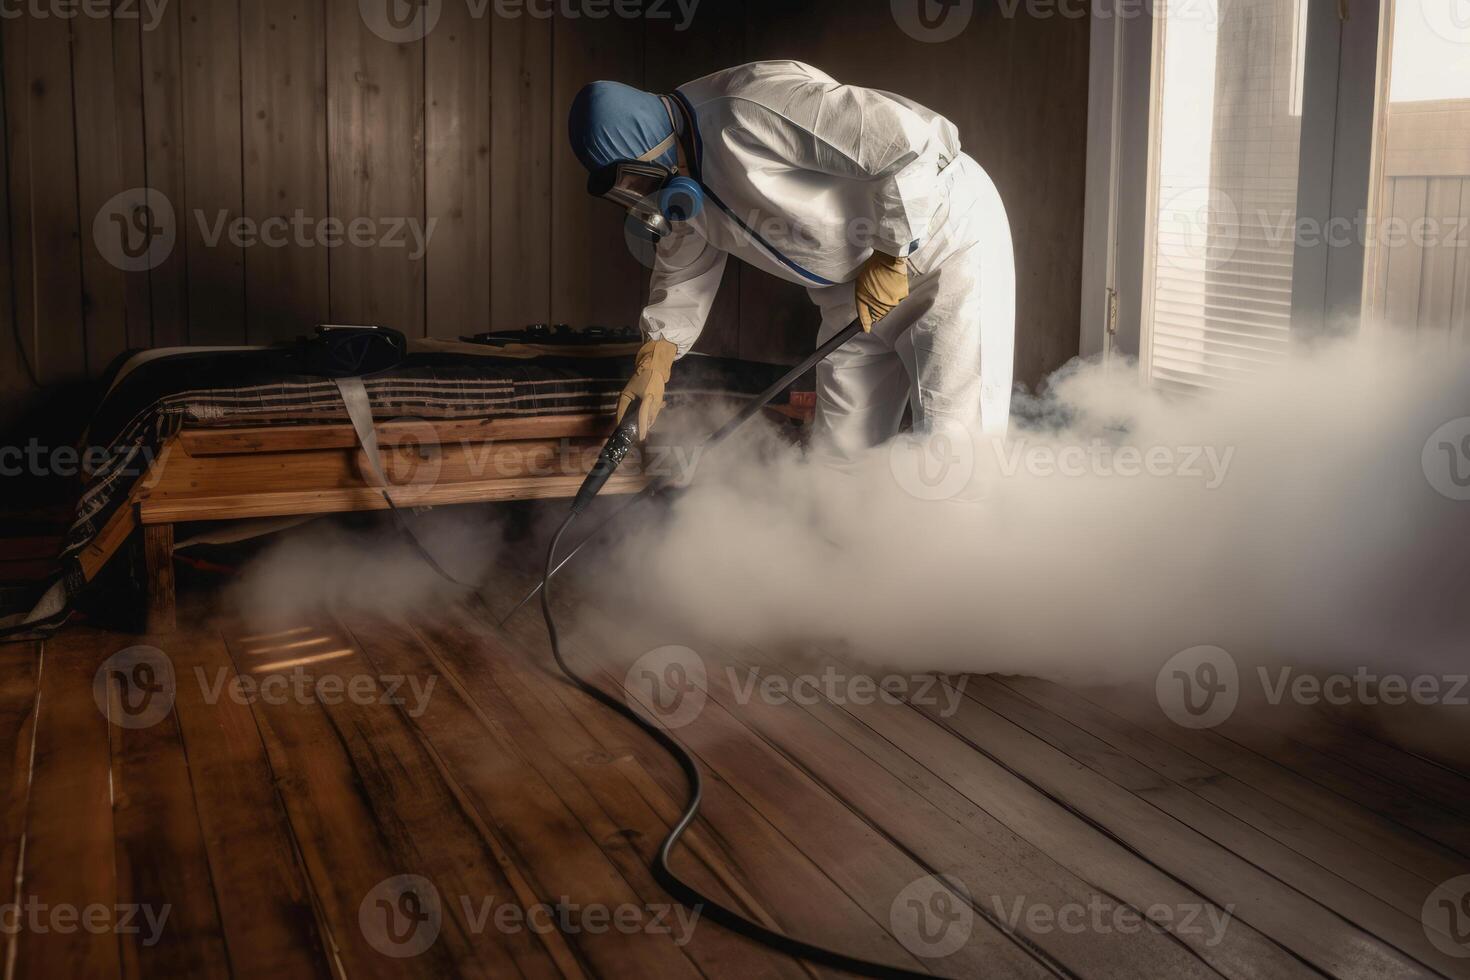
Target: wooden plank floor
364,795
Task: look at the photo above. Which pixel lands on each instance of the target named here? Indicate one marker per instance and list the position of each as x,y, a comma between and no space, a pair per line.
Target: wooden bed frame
296,470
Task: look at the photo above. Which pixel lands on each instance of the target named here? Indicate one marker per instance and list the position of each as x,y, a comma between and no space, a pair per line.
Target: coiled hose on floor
681,890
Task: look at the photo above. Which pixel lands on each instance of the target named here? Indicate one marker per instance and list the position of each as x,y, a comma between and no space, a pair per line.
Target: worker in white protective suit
862,196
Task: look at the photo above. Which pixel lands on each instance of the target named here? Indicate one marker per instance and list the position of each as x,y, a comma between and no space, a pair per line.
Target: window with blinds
1227,137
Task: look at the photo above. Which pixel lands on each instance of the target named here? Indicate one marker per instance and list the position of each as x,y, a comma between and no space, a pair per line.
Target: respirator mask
653,195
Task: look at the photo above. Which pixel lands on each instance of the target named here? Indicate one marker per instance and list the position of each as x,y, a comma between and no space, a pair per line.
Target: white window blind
1227,137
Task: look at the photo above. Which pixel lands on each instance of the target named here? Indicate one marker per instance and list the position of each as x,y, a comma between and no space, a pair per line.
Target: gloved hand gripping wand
623,437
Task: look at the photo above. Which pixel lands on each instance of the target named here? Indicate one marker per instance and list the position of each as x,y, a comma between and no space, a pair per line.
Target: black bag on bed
347,352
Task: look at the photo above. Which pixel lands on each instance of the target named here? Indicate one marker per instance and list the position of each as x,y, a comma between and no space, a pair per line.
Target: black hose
684,892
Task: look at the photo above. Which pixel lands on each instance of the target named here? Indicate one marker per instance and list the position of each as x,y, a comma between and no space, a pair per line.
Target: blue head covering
611,121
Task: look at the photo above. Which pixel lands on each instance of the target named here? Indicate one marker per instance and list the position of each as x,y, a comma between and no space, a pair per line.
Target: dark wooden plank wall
274,109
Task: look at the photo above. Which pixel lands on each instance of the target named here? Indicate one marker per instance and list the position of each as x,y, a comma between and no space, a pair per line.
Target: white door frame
1119,123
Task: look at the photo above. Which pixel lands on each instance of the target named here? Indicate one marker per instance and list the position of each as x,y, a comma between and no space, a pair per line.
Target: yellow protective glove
650,375
882,283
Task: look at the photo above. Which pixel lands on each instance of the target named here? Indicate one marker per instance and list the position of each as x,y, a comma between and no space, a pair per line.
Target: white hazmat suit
804,179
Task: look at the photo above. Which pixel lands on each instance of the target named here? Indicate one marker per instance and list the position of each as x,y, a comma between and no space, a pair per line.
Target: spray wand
622,438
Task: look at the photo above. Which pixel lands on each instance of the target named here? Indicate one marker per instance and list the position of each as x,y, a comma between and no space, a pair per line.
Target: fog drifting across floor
329,568
1289,521
1295,519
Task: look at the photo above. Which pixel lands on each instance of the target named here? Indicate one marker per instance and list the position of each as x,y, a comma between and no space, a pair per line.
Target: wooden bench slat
290,438
169,510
